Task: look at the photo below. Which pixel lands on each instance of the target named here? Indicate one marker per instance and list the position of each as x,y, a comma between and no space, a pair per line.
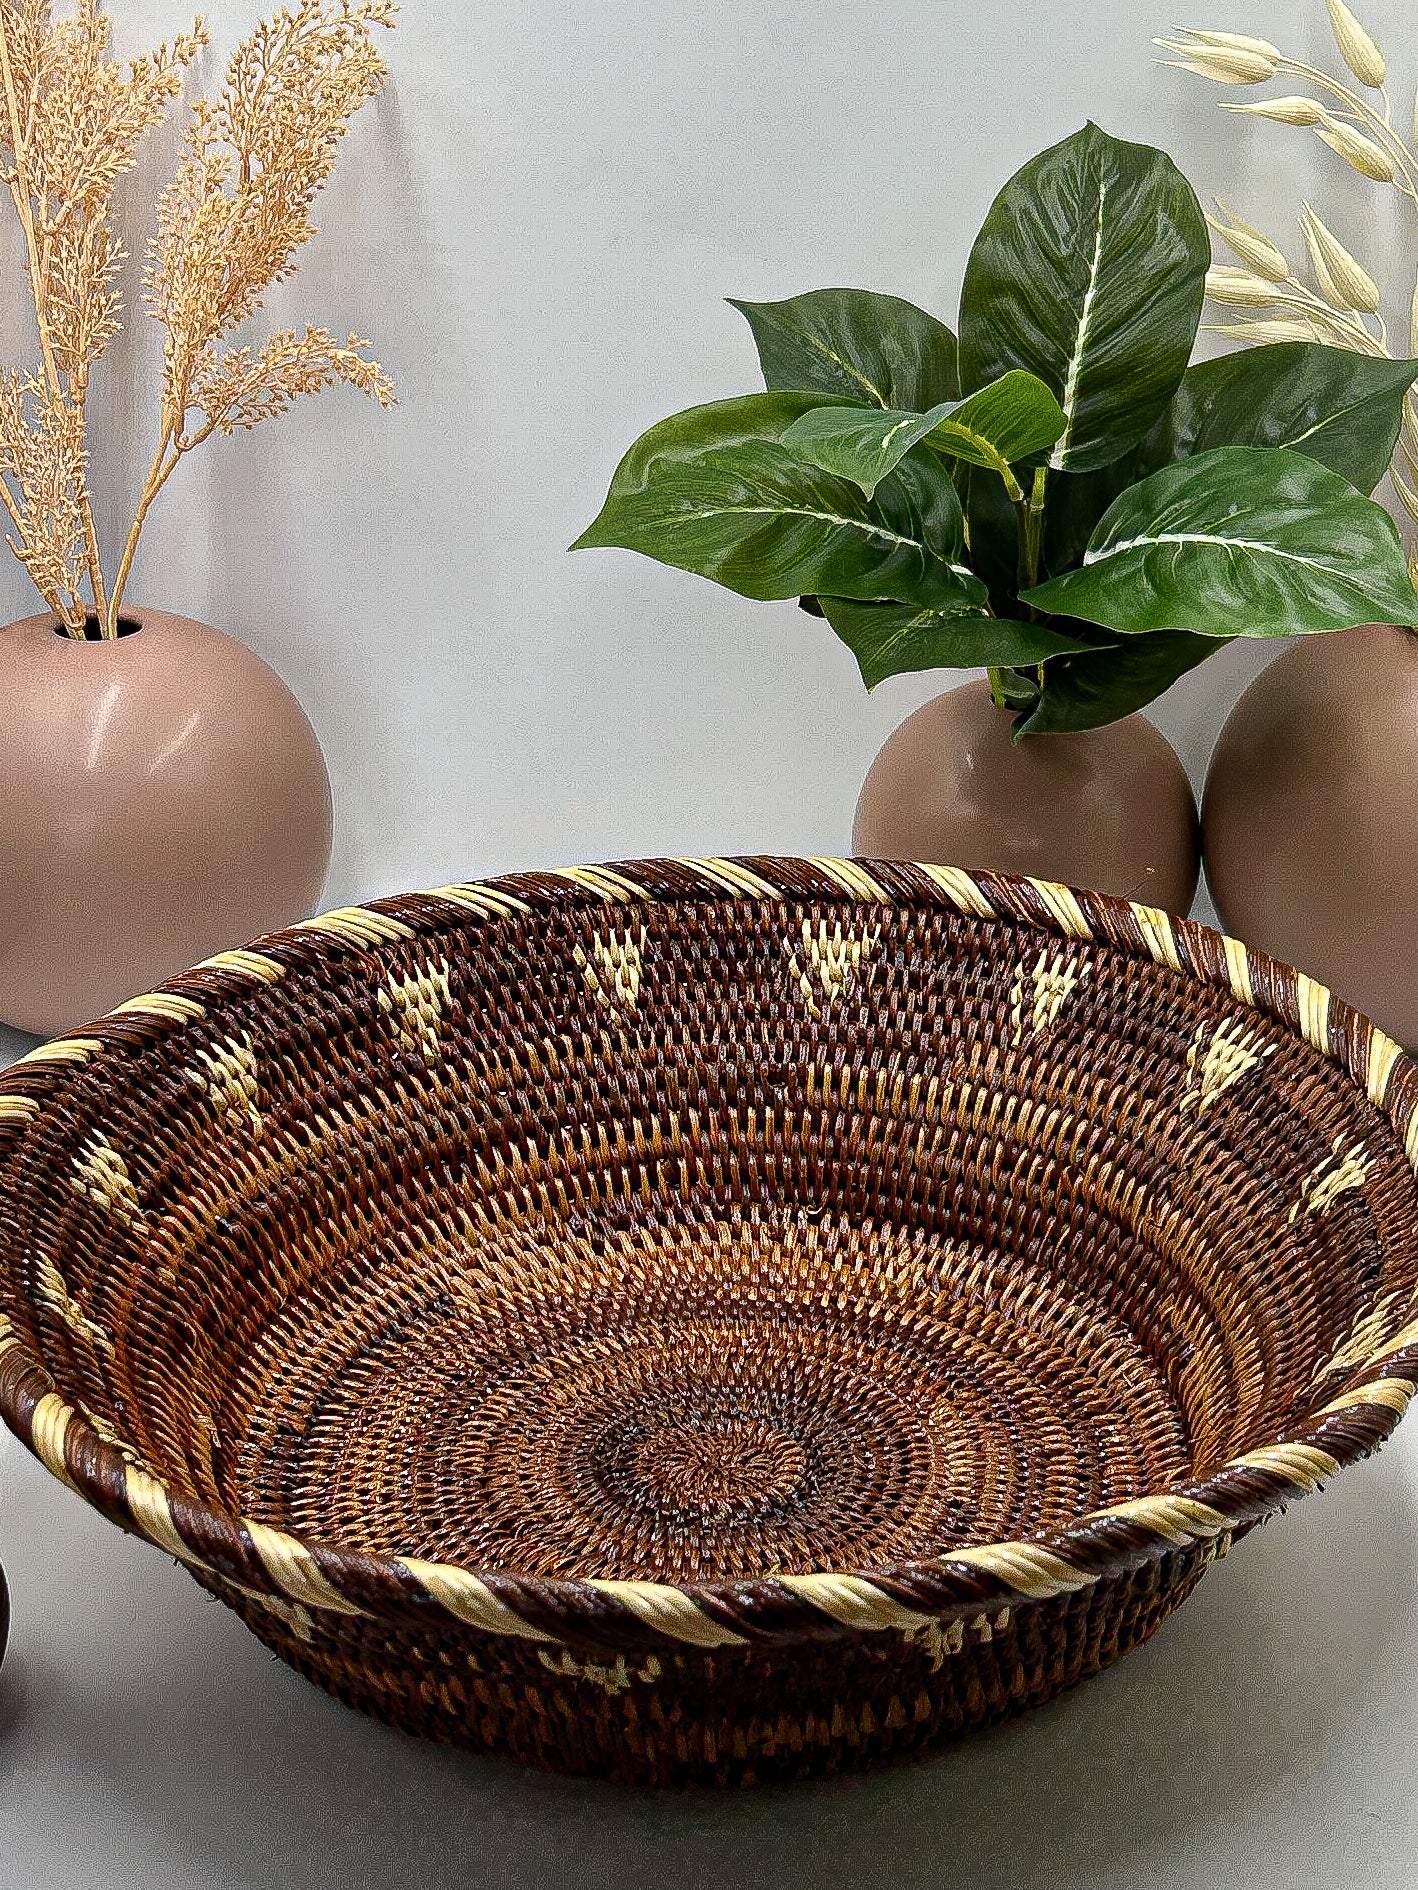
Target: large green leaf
1008,422
1089,271
1076,502
1341,408
866,347
1102,685
860,444
756,519
1241,541
708,429
1014,419
889,639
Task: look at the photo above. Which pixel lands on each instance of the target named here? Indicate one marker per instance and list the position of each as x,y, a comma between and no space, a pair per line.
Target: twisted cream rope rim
1027,1571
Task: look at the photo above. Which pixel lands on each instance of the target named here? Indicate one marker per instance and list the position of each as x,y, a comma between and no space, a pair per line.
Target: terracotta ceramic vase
1108,808
162,797
1310,822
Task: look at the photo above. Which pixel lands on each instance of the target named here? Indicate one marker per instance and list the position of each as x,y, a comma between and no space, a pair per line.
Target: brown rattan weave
710,1319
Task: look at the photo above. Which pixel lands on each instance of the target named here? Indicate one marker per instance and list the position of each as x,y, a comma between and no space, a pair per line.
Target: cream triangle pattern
232,1080
614,968
1339,1173
101,1175
827,959
415,1007
1218,1058
1039,995
56,1295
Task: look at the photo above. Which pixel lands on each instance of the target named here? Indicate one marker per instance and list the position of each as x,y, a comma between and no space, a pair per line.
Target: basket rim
292,1576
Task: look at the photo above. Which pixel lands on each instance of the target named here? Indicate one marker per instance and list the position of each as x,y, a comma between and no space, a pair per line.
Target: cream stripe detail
1313,1000
1383,1054
959,888
18,1108
1035,1572
1064,908
1238,969
1157,934
1302,1464
734,878
147,1499
62,1050
248,964
602,882
1395,1394
49,1426
165,1004
852,1601
482,900
854,880
1181,1519
470,1600
358,925
669,1612
1399,1343
294,1570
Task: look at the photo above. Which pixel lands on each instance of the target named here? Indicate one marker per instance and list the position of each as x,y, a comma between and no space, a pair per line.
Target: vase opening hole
93,629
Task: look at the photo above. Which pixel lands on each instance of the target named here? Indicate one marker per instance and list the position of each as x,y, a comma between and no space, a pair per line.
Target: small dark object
712,1320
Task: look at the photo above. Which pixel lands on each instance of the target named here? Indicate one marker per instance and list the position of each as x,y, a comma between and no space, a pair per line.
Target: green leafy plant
1056,496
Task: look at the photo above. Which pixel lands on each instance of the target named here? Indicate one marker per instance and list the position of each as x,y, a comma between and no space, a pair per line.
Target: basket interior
704,1240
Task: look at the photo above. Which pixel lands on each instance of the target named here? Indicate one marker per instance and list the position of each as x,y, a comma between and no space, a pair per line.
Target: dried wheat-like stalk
229,226
1341,303
72,119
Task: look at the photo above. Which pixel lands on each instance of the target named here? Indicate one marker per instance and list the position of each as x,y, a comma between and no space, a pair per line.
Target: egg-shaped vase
163,797
1310,820
1108,808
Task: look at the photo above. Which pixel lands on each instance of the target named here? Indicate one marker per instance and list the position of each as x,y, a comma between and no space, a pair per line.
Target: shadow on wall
288,592
1176,1753
276,535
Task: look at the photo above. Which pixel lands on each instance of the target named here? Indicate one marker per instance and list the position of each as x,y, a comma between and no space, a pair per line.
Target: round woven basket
710,1319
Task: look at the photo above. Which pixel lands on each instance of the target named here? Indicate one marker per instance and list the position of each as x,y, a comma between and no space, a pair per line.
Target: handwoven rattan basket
710,1319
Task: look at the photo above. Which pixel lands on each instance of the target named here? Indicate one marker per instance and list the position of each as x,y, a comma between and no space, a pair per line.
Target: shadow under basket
711,1320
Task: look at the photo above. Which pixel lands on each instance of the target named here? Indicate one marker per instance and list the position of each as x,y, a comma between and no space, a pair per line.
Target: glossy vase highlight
162,797
1311,818
1109,808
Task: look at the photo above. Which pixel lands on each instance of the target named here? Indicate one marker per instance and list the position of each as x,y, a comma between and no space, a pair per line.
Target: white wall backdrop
537,226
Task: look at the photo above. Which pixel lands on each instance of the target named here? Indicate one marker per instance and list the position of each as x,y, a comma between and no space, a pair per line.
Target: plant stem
22,196
164,460
20,191
1381,124
1030,513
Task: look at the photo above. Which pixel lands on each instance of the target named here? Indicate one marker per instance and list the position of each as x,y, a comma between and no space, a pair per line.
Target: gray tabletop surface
1264,1739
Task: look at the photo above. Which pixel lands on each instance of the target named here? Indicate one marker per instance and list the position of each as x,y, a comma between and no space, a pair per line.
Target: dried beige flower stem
72,118
21,193
1357,111
229,227
231,222
1358,129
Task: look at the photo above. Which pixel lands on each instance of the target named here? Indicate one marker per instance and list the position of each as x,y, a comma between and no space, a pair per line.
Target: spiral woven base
710,1319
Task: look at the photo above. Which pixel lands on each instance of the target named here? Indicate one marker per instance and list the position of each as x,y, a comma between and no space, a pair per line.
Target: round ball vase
1310,818
162,798
1107,808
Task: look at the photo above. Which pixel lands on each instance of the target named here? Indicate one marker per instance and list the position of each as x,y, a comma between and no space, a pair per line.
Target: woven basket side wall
1244,1091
